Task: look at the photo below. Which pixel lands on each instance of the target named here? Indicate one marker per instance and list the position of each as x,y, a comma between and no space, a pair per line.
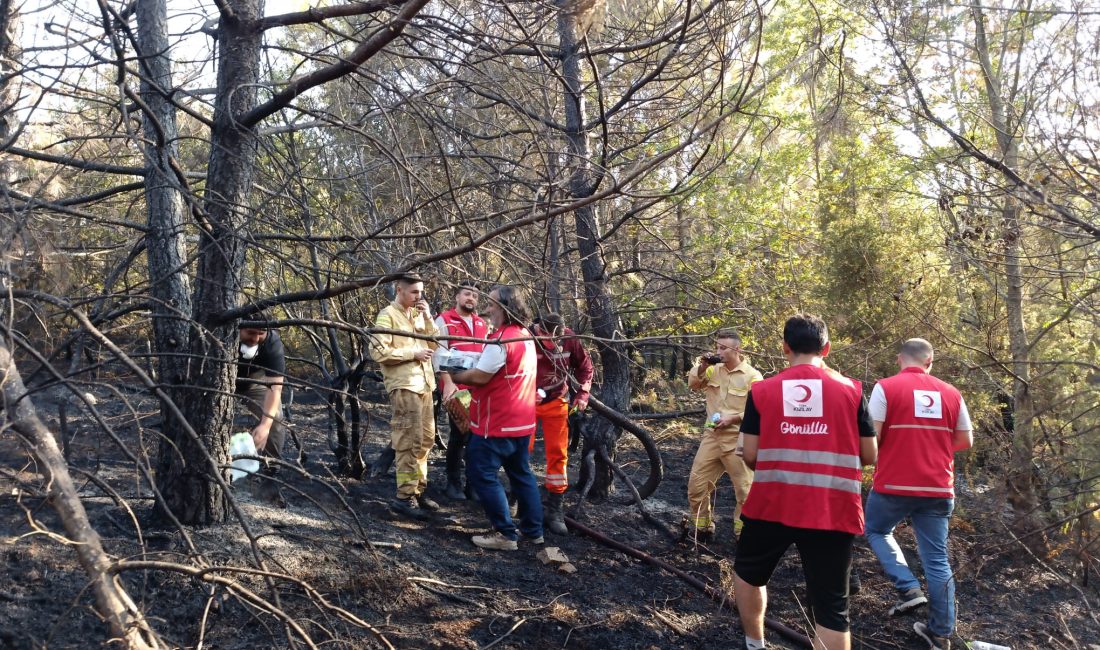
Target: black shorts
826,562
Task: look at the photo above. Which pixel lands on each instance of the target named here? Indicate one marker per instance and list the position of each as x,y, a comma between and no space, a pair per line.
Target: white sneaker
495,542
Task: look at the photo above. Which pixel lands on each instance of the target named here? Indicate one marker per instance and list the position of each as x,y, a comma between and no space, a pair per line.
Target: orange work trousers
554,417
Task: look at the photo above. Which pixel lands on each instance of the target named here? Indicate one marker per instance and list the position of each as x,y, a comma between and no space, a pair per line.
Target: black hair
263,316
468,283
408,278
512,302
805,334
550,322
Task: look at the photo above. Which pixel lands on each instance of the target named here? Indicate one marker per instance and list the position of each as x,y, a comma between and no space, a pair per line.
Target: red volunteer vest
917,455
807,468
505,407
456,326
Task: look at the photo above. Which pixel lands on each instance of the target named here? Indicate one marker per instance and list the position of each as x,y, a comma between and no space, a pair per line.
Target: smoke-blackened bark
165,248
207,400
615,389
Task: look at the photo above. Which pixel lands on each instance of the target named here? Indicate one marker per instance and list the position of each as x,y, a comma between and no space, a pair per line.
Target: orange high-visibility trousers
554,417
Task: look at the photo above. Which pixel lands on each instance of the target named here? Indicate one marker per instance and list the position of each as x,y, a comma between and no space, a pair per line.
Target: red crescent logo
806,393
928,401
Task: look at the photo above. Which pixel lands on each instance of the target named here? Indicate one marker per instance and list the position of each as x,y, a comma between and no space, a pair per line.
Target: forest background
654,170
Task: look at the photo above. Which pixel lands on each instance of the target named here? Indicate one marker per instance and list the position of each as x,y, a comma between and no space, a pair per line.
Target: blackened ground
481,598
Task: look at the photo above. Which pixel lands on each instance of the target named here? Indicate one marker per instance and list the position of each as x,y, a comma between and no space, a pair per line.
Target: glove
460,415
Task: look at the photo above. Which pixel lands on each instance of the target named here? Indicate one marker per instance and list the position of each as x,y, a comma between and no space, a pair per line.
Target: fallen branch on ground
719,597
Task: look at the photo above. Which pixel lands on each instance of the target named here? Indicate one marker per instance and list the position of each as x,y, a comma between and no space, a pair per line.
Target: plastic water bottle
242,444
982,645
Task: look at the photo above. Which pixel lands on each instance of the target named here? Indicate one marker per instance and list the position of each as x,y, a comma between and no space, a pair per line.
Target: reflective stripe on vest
809,457
805,478
808,472
916,454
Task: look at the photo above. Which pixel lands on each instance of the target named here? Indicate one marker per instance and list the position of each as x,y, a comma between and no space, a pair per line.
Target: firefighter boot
554,517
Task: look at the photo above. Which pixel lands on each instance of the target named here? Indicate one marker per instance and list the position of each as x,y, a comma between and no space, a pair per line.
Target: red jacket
454,325
505,407
917,455
807,468
557,361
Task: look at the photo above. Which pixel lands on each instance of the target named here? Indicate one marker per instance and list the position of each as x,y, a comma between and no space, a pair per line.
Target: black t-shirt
750,422
271,358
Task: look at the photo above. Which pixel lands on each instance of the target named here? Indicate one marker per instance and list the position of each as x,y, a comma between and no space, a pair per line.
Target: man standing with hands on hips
921,422
409,380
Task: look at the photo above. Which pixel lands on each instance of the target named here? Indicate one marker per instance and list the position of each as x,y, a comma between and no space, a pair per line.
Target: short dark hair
512,302
805,334
550,322
468,283
918,350
257,315
728,333
406,279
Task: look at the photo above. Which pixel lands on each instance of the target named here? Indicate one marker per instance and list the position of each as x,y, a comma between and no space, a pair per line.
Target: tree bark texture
125,621
1020,478
615,389
9,59
208,401
165,248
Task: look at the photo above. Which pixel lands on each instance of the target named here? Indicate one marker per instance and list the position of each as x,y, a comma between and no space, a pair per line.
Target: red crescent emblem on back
806,393
928,401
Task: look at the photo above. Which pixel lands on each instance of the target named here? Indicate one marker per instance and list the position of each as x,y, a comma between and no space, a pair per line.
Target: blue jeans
484,456
930,517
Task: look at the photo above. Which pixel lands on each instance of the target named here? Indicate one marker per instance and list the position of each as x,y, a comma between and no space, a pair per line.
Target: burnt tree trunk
208,401
615,389
165,248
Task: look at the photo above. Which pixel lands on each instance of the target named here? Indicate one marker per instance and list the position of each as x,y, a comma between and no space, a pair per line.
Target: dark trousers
456,452
252,391
484,457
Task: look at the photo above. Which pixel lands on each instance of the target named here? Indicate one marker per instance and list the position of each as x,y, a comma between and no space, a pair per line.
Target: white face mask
249,351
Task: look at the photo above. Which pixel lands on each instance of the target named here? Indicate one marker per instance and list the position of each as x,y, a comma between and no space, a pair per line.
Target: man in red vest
460,320
502,421
921,422
563,363
807,435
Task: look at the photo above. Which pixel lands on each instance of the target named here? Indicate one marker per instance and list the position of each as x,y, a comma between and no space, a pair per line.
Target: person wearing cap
261,366
726,382
563,364
460,320
409,380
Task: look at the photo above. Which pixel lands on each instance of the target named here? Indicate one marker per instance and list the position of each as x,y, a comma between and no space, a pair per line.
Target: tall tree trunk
208,402
615,389
9,59
165,247
1020,478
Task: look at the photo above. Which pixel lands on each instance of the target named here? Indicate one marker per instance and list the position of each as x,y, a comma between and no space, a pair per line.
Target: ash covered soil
425,585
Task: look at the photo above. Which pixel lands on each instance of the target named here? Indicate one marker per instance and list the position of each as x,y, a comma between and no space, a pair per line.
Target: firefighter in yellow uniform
409,379
726,384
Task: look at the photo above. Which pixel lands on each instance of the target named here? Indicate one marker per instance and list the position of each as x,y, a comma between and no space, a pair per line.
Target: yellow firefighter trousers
412,437
716,456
